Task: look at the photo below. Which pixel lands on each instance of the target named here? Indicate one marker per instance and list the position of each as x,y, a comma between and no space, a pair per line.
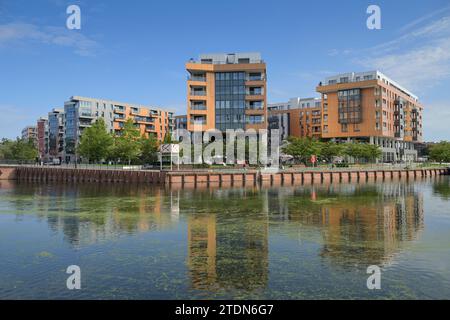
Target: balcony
255,77
255,119
144,119
198,107
254,106
198,93
197,78
84,124
86,115
255,92
198,121
119,109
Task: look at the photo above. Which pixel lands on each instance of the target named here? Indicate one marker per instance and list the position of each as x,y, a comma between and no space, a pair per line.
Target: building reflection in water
227,245
89,213
228,229
359,224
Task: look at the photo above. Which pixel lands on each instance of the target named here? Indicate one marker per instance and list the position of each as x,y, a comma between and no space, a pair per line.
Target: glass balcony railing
198,93
144,119
198,121
255,78
86,115
197,78
198,107
254,107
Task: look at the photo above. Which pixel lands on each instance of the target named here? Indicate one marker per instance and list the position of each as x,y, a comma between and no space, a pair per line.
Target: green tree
19,149
127,145
329,150
371,152
302,148
149,149
362,151
440,152
354,150
6,151
95,142
168,139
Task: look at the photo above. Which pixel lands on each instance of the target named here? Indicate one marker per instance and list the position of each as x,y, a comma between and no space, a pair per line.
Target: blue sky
134,51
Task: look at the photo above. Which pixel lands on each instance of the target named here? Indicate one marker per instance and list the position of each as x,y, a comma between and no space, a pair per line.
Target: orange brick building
297,117
149,120
370,107
226,91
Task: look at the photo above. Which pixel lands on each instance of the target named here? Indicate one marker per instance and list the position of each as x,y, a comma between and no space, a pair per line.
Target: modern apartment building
82,112
298,117
56,134
42,138
150,120
226,91
29,133
181,122
370,107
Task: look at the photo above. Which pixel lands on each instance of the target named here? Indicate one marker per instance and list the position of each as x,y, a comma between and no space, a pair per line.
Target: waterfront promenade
233,177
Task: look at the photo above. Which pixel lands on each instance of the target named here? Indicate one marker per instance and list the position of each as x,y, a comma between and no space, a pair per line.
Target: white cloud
23,33
419,68
17,118
418,59
436,121
423,18
338,52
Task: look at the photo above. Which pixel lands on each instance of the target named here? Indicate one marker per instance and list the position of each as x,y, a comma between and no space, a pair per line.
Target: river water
303,242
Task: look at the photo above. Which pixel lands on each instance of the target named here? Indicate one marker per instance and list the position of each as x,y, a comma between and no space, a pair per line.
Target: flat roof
228,58
375,75
81,98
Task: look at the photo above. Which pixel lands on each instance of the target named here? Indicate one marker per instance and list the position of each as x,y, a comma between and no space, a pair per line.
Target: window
254,119
255,76
255,105
349,106
230,100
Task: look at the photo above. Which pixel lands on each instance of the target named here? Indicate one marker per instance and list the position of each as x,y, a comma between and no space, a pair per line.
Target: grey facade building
81,113
56,134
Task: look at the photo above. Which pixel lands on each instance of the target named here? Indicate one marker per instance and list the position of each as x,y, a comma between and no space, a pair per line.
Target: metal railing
198,107
201,79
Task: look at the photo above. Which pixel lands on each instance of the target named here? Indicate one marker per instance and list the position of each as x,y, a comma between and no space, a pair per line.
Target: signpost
170,150
313,159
